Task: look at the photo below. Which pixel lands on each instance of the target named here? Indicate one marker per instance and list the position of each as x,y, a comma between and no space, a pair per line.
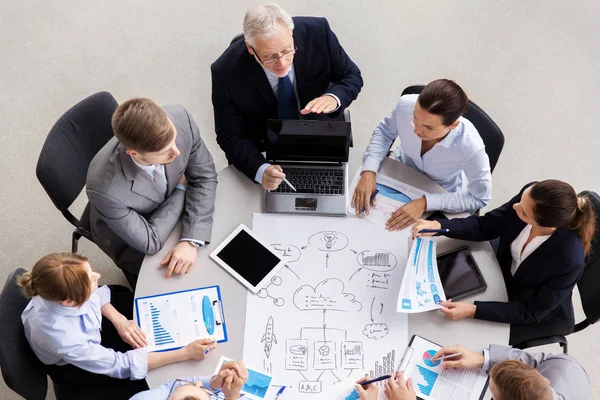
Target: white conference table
237,199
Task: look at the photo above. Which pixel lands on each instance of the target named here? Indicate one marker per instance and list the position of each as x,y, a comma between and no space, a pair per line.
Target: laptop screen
305,140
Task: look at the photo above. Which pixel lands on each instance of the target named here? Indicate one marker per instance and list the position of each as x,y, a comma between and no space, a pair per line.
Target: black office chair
492,136
68,150
22,371
587,285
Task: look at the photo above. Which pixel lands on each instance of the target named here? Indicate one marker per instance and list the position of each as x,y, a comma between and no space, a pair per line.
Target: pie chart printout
428,358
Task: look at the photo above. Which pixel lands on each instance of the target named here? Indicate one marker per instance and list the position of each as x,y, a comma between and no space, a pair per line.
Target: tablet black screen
459,274
248,257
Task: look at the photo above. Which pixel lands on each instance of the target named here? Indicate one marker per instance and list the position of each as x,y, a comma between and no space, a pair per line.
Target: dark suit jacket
129,215
541,288
243,100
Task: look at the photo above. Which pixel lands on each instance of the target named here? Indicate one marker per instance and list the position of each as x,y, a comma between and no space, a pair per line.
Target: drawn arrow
303,247
356,272
324,326
354,251
327,261
381,309
372,302
292,271
338,379
319,378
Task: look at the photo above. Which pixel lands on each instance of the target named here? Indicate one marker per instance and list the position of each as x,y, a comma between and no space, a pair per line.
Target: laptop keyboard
313,180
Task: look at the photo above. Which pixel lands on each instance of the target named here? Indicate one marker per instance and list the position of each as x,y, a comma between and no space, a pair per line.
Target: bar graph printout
433,382
172,320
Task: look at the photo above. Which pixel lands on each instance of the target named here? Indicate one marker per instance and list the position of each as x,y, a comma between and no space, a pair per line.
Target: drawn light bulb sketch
264,292
329,240
269,337
377,260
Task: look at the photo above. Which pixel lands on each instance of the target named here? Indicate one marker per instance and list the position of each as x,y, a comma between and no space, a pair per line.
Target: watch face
193,243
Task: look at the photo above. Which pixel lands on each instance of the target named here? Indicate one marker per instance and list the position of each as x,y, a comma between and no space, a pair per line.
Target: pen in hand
446,356
373,195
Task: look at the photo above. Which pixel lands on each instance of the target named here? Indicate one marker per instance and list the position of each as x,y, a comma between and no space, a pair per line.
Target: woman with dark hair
437,141
544,234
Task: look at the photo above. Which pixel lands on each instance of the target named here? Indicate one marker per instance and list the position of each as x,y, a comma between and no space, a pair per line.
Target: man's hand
362,194
324,104
368,393
456,311
397,389
468,359
272,177
131,333
183,180
232,384
406,215
199,349
238,367
180,258
424,224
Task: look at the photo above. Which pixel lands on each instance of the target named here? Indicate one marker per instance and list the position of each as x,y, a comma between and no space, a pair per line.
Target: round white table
237,199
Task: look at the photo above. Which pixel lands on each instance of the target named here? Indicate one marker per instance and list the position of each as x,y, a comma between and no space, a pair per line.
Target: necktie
287,108
160,179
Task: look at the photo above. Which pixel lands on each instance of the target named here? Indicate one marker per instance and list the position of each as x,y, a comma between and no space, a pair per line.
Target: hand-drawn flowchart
330,313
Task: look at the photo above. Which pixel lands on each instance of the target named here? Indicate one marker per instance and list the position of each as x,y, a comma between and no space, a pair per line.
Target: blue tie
287,108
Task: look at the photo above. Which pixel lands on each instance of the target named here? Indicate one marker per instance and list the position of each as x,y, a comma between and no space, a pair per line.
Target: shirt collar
274,78
149,169
57,308
451,136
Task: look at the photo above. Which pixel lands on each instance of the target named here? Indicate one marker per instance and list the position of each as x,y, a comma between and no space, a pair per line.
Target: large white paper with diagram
392,195
421,288
329,315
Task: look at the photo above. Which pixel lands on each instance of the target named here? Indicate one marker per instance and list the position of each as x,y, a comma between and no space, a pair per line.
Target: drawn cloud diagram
376,331
327,295
289,253
329,240
377,260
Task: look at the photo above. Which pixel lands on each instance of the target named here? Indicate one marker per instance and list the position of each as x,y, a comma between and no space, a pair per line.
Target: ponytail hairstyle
58,277
556,205
445,99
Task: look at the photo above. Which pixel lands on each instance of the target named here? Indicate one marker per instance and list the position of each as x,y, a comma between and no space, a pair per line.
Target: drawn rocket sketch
269,337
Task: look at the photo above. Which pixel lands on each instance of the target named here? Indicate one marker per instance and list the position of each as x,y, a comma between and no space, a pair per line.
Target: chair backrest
237,37
589,284
21,369
71,145
492,136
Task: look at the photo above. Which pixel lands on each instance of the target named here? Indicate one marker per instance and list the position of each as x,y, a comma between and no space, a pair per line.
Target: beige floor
532,65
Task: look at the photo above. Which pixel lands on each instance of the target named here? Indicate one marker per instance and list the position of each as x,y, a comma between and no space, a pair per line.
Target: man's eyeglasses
272,60
212,395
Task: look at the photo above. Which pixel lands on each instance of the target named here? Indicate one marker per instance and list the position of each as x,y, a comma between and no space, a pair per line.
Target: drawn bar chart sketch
329,317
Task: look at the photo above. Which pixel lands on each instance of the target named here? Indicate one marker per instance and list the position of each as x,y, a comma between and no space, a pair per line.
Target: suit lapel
300,70
142,182
538,257
259,80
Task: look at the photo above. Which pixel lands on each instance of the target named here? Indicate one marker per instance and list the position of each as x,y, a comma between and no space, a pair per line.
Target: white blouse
519,253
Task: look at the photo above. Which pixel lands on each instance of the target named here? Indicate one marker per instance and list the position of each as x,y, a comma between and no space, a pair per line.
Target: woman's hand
456,311
131,333
198,350
397,389
424,224
406,215
362,194
369,392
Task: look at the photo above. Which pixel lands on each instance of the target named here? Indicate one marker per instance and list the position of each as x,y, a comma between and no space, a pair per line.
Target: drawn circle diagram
329,241
377,260
428,358
264,292
287,252
324,350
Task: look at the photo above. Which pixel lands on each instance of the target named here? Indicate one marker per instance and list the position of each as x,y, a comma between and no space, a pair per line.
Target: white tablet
247,259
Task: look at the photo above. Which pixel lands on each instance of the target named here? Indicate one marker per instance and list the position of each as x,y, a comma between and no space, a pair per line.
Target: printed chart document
257,385
421,288
433,382
392,195
173,320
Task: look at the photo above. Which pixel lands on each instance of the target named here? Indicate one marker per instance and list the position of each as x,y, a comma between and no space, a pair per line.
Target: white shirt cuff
138,363
181,186
486,360
434,202
371,164
339,103
260,172
200,242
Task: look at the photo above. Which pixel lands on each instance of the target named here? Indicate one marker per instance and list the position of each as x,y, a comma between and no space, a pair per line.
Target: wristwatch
195,244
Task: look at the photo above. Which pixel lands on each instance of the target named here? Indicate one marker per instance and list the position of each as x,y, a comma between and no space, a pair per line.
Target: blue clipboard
172,320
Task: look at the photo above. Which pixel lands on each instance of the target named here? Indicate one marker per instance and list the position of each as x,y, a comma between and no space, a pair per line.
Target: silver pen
289,184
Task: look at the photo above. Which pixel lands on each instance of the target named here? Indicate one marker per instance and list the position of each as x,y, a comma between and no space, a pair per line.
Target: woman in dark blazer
544,234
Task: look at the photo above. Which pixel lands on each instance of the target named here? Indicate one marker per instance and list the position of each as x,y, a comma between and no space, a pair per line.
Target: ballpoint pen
289,184
373,195
434,231
279,392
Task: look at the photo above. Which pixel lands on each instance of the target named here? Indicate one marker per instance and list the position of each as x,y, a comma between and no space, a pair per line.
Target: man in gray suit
155,170
518,375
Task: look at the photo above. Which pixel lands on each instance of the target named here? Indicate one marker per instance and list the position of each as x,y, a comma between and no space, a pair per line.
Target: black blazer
243,100
542,286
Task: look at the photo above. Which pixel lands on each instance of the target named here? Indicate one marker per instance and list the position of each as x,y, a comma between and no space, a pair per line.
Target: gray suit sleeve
145,235
501,353
202,188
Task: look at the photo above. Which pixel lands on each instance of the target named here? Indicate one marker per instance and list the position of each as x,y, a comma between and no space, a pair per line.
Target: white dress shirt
519,253
274,82
71,335
458,163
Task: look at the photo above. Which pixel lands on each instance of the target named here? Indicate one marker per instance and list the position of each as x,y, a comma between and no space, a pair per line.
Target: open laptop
314,158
